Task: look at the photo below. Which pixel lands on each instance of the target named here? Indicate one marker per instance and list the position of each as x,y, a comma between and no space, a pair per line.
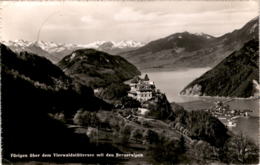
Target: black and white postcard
129,82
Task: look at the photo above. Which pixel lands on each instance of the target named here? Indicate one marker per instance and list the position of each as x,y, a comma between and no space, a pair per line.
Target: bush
202,152
168,151
151,136
126,130
160,108
59,116
136,134
129,102
205,127
115,91
202,126
240,149
86,118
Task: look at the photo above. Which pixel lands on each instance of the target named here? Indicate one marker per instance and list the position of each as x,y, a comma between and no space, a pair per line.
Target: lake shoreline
205,103
156,70
221,97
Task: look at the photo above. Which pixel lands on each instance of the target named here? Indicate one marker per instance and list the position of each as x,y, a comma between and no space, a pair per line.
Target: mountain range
56,51
187,50
176,51
236,76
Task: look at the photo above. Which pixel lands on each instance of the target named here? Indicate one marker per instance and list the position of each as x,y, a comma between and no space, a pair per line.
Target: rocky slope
236,76
186,50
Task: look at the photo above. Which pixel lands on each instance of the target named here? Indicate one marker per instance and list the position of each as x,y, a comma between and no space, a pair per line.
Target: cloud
129,14
87,19
121,20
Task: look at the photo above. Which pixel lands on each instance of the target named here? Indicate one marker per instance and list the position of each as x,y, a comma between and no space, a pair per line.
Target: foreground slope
236,76
33,88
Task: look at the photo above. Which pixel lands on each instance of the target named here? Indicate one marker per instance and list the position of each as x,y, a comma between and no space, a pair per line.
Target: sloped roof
146,78
135,79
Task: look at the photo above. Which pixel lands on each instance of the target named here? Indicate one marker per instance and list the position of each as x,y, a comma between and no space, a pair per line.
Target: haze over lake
172,82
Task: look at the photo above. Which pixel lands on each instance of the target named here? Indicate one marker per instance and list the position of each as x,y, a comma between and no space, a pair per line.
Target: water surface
172,82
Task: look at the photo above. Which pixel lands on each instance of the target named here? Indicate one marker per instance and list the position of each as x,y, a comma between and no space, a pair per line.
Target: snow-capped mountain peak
20,43
95,44
203,35
113,44
128,43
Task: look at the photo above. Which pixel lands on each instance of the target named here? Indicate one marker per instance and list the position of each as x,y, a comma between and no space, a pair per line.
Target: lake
172,82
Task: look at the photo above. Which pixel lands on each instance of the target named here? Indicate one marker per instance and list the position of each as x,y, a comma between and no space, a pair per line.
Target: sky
83,22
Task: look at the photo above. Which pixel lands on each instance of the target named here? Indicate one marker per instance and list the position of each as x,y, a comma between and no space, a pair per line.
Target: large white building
142,89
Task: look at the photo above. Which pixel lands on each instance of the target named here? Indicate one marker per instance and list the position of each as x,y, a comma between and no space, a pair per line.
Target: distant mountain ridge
177,40
236,76
187,50
177,51
56,51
